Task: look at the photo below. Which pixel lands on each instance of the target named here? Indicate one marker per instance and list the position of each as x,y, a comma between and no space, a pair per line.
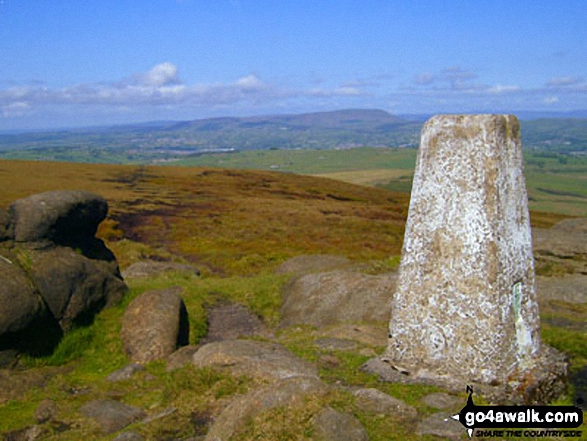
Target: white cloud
551,100
161,75
339,91
498,88
159,86
250,82
15,109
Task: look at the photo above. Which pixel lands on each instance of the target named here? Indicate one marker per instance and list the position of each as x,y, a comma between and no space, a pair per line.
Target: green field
309,161
556,183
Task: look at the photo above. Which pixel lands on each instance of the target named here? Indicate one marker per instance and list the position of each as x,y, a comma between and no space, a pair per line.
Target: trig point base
465,308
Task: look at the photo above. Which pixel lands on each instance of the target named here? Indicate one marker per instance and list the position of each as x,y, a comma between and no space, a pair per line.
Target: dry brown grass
226,220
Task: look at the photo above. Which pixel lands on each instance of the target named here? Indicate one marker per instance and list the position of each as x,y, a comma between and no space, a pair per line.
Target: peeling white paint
467,243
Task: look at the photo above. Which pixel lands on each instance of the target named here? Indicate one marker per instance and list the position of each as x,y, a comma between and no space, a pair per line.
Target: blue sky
71,63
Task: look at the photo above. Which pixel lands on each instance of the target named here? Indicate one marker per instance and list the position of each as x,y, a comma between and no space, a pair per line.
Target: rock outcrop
325,299
286,392
263,360
54,272
155,324
312,263
59,216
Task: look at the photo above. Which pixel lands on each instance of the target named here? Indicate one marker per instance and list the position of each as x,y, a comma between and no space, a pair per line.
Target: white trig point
465,306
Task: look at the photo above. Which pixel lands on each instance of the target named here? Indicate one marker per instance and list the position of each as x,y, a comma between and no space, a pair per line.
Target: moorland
237,217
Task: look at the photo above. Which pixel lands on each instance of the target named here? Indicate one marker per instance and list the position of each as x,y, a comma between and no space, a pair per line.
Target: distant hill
320,130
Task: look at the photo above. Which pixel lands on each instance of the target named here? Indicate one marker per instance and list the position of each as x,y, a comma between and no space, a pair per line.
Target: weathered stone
571,288
572,226
441,424
332,425
465,305
74,286
31,433
442,401
182,357
254,358
19,302
111,415
311,264
337,297
58,216
154,325
45,411
124,373
230,321
150,268
6,226
375,401
283,393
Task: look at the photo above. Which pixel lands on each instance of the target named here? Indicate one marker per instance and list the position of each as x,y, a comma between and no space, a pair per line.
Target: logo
509,418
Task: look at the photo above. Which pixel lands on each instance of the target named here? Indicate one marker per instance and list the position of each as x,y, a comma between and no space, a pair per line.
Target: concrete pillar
465,305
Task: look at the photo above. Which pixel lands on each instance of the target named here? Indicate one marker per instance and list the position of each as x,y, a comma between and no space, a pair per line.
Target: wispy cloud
162,91
451,78
564,81
499,88
161,85
15,109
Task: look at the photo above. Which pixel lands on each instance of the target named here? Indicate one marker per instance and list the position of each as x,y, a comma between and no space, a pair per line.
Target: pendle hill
157,141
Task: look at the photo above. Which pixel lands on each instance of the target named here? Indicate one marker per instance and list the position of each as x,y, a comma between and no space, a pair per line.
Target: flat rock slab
254,358
111,415
375,401
570,288
148,268
326,299
125,373
311,263
283,393
441,424
231,321
442,401
332,425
